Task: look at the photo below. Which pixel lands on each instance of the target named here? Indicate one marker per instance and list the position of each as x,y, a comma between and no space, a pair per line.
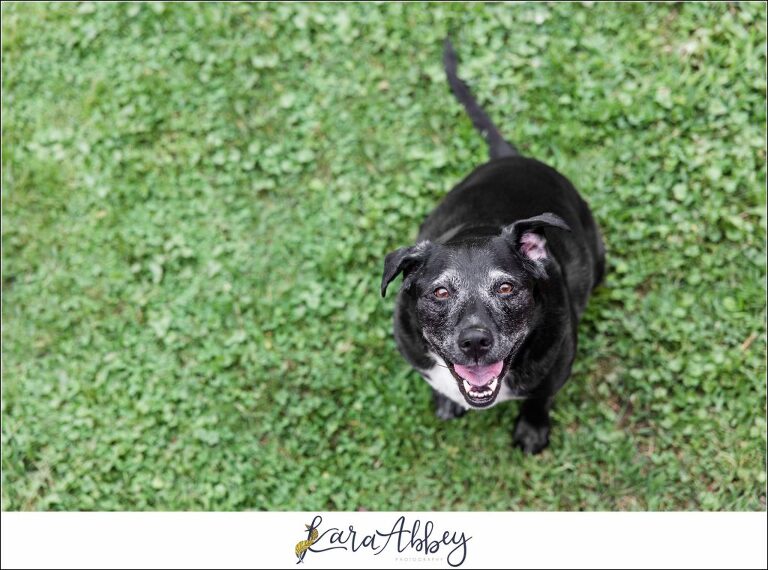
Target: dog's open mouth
479,384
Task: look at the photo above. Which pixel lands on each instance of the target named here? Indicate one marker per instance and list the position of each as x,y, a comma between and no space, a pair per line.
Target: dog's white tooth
467,386
493,383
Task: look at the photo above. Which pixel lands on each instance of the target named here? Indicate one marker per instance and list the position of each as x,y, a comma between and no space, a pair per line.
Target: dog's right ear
403,260
527,239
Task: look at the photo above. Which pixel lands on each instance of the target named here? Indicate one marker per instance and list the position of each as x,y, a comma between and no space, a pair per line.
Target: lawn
197,200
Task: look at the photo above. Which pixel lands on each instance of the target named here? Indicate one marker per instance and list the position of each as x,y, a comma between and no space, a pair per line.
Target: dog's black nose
475,342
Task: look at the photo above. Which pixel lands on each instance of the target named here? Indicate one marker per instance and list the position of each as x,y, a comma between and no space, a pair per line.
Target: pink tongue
479,375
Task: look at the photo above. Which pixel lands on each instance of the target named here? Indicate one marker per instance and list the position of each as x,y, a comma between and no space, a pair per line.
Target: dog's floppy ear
527,239
403,260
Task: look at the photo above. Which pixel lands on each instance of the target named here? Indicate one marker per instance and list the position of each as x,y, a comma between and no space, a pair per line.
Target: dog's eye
442,293
504,289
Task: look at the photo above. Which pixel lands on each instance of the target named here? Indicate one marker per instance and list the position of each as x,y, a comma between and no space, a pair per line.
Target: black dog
493,291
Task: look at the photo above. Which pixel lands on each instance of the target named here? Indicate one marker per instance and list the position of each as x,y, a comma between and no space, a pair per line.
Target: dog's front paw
531,438
447,409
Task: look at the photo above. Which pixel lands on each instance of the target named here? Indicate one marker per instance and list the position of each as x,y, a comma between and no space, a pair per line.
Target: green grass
197,200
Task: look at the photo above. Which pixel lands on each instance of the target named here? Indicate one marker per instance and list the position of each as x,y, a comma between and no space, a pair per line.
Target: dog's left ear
403,260
527,238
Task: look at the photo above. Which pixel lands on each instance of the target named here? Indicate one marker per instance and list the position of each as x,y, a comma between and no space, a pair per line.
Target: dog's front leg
445,408
531,432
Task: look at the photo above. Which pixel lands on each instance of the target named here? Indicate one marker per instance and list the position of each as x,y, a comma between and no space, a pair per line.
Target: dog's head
475,299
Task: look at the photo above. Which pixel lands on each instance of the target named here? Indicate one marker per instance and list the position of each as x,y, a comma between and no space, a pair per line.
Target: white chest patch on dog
441,379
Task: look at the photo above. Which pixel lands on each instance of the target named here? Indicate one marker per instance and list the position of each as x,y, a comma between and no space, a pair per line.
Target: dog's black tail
497,146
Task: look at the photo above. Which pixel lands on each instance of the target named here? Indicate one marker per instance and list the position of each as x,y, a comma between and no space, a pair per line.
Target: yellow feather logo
303,546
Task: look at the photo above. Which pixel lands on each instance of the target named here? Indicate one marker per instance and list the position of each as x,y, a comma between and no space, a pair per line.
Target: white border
498,540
